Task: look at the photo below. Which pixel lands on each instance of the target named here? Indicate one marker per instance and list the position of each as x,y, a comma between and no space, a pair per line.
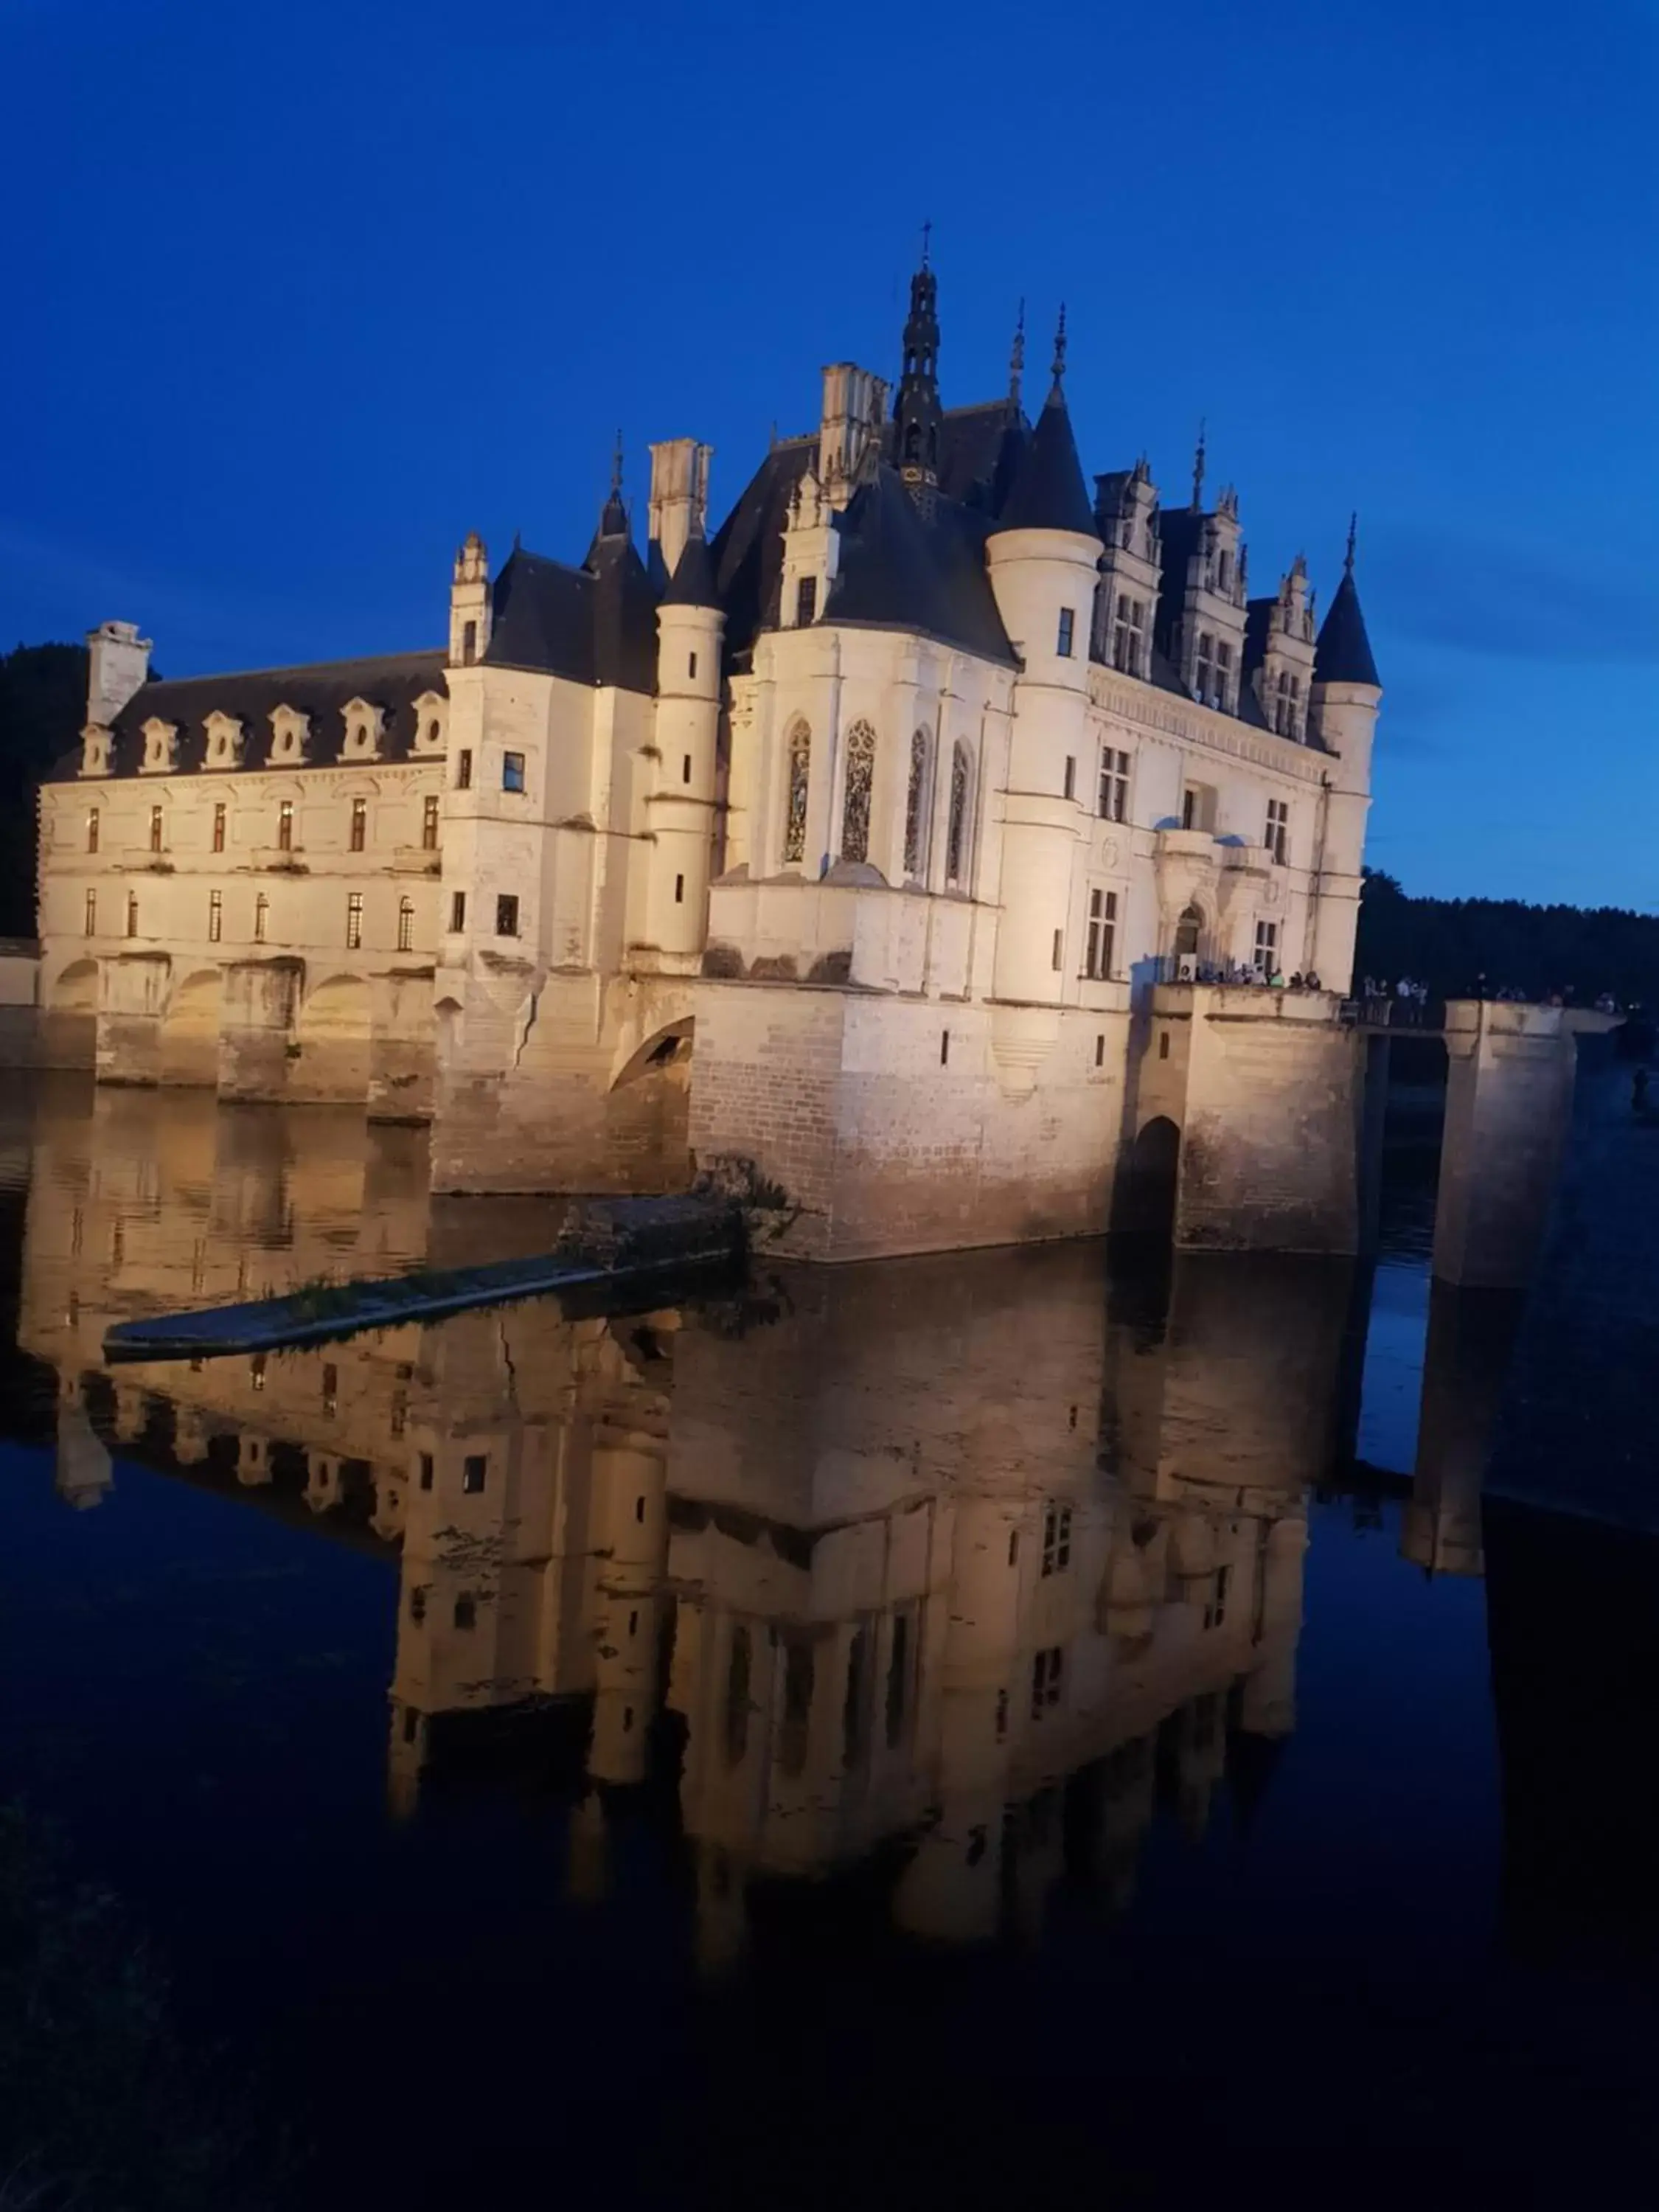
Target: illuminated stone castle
910,837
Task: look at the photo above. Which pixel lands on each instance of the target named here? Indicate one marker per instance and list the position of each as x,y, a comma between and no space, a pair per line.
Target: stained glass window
860,781
916,804
956,836
800,761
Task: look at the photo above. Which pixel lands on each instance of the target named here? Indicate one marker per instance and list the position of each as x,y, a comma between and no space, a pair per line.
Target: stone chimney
119,666
680,497
849,434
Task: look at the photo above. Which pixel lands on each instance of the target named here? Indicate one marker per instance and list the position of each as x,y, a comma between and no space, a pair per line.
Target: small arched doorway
1189,932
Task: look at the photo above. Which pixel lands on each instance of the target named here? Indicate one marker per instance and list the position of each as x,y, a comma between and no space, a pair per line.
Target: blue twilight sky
297,294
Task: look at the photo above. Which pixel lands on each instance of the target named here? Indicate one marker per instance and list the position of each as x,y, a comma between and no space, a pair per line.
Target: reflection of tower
82,1473
1471,1337
629,1537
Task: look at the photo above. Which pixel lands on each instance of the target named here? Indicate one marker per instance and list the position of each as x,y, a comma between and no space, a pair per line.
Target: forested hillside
43,704
1449,944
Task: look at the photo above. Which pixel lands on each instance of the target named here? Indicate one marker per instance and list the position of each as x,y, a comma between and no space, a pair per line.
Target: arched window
798,751
916,804
955,835
1188,930
860,783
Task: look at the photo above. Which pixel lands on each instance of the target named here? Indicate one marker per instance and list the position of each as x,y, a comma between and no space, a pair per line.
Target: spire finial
617,468
1353,540
1060,344
1198,470
927,237
1016,357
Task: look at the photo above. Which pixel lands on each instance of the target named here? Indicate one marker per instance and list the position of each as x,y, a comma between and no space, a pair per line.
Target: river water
1021,1722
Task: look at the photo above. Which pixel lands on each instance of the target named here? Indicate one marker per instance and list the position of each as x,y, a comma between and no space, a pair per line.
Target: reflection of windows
1056,1540
261,918
219,827
429,822
399,1411
474,1468
798,754
427,1470
1103,934
466,1611
216,916
955,830
154,829
855,1712
737,1696
359,824
354,920
1215,1614
132,914
330,1389
860,784
898,1681
915,804
1046,1670
406,924
798,1676
92,829
285,826
92,914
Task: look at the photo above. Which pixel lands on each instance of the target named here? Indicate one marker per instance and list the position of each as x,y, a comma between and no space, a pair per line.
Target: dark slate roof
900,571
595,624
748,547
393,681
1180,533
1049,492
1343,654
693,584
981,449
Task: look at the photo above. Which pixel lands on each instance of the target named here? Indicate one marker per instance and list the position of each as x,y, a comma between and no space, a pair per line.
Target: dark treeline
43,705
1449,944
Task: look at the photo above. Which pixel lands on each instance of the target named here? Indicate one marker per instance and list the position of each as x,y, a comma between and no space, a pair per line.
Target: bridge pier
1508,1098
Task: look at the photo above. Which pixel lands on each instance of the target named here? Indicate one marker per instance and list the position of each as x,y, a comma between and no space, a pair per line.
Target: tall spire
1016,359
1353,540
613,521
1198,471
1343,652
1060,346
915,405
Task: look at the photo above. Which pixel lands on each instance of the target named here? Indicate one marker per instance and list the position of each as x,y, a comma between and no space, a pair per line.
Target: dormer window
806,601
1129,635
224,741
94,750
289,732
1287,704
429,711
1204,669
363,724
1224,675
160,748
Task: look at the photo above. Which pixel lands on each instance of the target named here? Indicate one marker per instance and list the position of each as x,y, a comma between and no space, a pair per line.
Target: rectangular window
219,827
406,924
1113,802
1267,947
806,600
469,643
506,915
685,770
457,910
1198,807
1067,630
943,1048
474,1468
426,1470
1100,1052
691,664
1129,635
1278,828
1103,934
285,826
331,1388
359,824
92,829
1068,786
216,916
261,918
1224,674
354,921
465,1615
679,890
132,914
1059,948
154,829
464,769
1204,669
92,914
429,822
1056,1540
512,771
1046,1670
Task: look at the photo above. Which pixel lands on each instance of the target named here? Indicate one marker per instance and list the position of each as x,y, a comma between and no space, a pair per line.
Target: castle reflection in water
986,1557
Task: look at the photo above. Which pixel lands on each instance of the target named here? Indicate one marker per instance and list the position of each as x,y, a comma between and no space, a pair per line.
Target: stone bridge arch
332,1041
189,1042
69,1017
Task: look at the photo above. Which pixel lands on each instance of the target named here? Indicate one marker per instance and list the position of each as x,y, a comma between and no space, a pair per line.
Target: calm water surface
1010,1724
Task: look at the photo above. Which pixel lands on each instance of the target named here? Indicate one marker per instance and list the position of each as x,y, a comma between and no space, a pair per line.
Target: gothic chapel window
956,834
860,783
915,802
799,749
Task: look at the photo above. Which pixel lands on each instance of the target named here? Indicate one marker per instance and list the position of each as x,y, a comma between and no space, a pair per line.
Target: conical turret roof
693,584
1049,492
1343,653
